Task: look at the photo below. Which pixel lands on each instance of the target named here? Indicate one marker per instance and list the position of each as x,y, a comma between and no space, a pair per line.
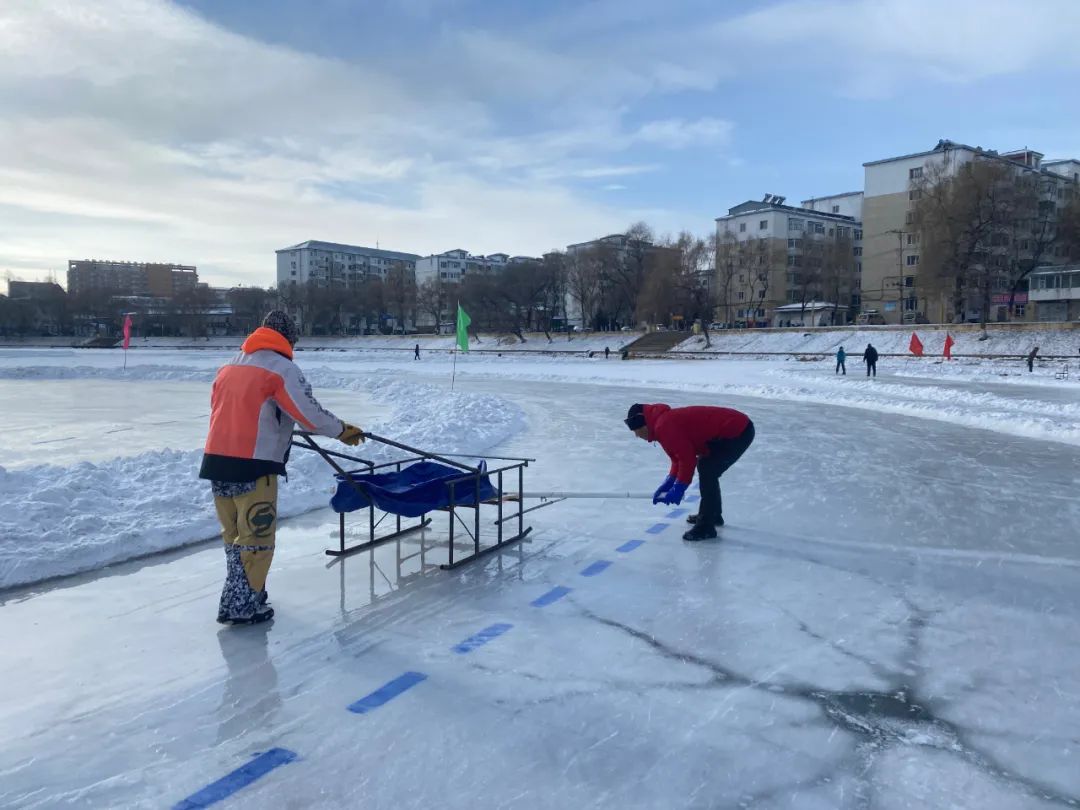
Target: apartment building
772,255
453,265
156,280
891,280
330,264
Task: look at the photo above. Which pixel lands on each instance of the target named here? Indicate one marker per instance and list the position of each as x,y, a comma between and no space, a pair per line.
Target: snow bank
534,342
62,520
1008,341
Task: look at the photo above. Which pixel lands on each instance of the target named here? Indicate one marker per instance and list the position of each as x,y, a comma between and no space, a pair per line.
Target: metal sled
473,488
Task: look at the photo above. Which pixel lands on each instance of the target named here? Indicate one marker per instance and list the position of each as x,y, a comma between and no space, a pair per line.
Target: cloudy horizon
213,134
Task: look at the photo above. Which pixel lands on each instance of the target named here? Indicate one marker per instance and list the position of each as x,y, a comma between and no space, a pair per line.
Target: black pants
722,454
871,366
840,365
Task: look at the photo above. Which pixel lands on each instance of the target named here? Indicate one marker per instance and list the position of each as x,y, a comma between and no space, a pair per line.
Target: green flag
463,321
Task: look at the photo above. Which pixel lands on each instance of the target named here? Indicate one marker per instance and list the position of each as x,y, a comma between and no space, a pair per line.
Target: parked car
715,326
870,316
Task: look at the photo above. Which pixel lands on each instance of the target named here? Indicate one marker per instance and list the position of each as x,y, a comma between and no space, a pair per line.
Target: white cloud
135,129
875,48
676,133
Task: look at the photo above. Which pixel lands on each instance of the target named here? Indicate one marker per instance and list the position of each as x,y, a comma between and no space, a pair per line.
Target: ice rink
889,619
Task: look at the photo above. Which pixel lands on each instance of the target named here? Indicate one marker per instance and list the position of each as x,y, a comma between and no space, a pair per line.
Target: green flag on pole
463,321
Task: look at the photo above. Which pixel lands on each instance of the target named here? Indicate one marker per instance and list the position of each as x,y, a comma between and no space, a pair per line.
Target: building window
836,209
909,281
1019,309
763,225
794,261
795,224
858,235
292,273
912,261
742,227
856,251
819,227
909,217
794,243
742,296
915,194
915,173
911,304
913,238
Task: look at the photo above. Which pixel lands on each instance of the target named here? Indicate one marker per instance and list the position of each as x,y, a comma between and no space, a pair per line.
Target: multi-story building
329,264
453,265
157,280
891,280
1054,292
772,255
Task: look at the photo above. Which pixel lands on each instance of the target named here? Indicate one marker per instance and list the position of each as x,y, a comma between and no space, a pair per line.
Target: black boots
700,532
693,519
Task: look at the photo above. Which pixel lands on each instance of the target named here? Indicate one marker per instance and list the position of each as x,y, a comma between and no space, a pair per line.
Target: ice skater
870,358
416,352
257,398
1031,359
841,359
710,438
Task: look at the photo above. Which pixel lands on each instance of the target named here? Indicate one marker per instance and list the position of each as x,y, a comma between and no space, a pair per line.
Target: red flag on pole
127,332
915,347
948,346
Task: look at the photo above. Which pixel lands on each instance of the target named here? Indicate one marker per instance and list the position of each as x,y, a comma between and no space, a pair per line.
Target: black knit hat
635,417
280,322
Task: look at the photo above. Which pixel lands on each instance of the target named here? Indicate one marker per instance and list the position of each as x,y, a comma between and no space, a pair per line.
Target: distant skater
607,352
841,359
1031,359
416,352
870,358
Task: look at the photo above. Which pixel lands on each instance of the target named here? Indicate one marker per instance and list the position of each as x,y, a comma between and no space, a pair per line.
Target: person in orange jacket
256,400
702,436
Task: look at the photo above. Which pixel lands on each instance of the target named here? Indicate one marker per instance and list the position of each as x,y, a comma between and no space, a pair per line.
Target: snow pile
63,520
1001,341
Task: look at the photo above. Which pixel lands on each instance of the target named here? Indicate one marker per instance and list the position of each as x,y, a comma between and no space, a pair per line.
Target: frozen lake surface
889,620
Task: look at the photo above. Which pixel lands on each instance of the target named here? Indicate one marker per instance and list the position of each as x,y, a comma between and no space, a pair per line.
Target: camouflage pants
248,525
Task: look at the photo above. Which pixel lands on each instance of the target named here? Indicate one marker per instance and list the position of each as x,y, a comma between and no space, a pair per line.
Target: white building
453,265
1055,293
848,204
329,264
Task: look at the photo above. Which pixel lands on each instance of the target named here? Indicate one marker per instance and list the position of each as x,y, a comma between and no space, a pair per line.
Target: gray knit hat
280,322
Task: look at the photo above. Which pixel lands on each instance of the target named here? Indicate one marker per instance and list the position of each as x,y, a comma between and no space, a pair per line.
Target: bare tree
583,279
432,298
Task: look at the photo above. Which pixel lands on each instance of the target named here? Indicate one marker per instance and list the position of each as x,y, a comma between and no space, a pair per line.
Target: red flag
915,347
127,332
948,346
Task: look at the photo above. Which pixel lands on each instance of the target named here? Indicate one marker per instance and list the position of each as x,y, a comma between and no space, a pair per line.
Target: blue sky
212,132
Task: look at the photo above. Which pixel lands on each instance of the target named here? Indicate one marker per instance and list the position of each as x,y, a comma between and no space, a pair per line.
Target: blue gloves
662,490
674,495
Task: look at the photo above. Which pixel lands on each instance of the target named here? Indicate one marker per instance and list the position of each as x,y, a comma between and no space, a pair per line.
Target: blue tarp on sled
415,491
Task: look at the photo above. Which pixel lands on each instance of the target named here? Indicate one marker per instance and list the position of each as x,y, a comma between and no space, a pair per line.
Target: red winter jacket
684,433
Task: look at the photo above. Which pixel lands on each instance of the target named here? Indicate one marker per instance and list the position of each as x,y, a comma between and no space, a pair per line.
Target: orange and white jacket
256,400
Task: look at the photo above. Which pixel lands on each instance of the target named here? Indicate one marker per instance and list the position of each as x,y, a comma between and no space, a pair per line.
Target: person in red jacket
710,438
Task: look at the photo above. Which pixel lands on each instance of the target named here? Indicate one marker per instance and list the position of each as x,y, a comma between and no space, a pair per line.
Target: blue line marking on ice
243,776
595,568
481,638
630,545
387,692
554,595
656,528
674,513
